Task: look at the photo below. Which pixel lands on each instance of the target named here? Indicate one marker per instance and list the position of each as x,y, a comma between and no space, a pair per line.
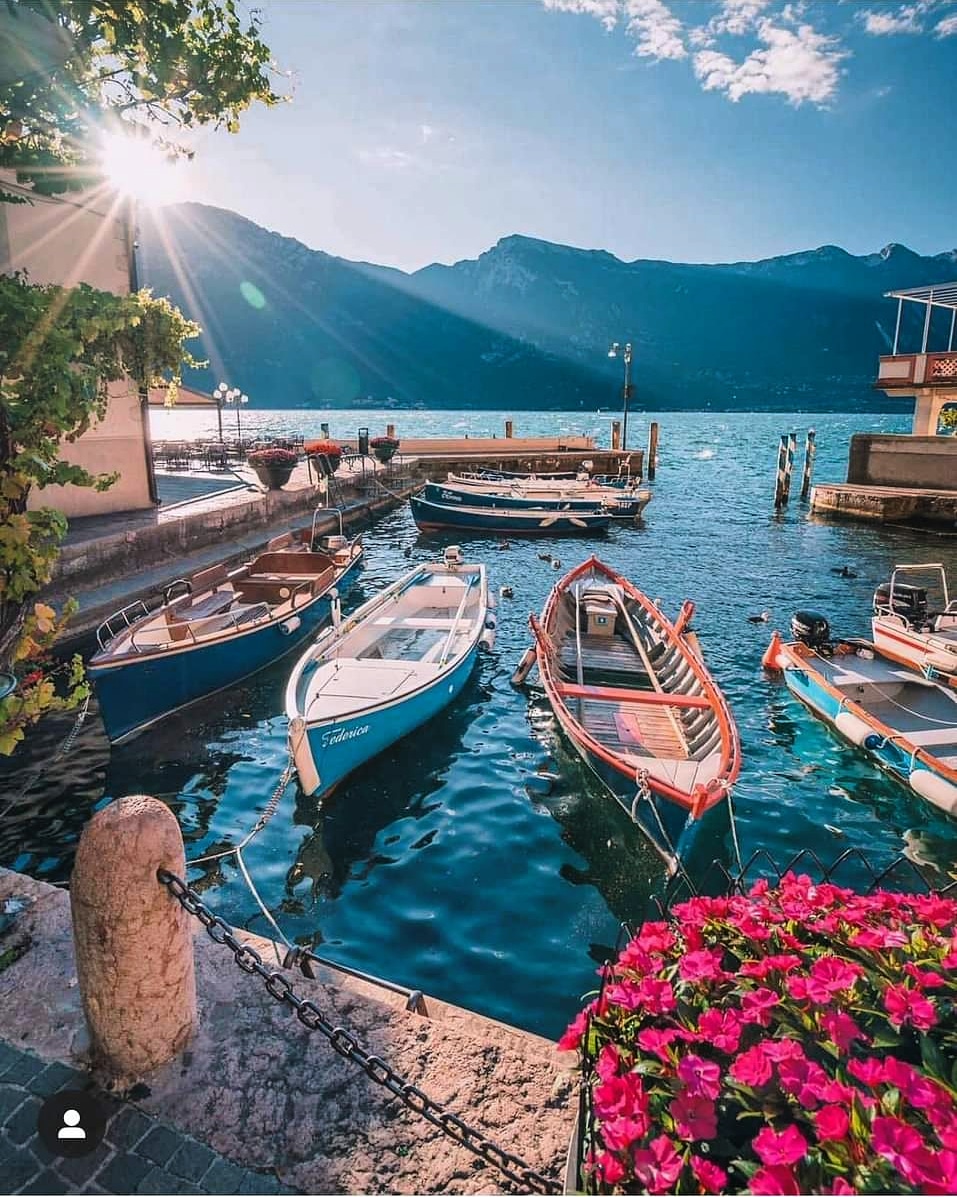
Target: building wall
928,462
67,240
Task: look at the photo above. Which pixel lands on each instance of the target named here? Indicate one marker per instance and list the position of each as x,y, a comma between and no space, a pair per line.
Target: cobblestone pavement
139,1154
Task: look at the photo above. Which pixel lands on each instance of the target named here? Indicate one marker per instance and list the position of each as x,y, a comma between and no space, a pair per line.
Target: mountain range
527,324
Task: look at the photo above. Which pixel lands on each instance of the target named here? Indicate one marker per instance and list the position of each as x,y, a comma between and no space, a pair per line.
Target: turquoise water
444,865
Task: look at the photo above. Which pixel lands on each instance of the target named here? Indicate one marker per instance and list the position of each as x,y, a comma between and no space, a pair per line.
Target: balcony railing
917,370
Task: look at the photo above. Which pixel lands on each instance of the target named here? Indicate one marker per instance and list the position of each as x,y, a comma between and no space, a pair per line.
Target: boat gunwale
801,663
730,765
104,659
295,710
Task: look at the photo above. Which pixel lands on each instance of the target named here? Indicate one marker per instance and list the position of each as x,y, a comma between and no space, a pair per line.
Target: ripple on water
436,866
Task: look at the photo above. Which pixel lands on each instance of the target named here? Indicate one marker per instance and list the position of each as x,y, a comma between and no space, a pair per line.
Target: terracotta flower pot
273,477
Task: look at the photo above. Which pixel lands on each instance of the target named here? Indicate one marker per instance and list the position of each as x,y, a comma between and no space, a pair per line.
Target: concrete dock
911,505
257,1089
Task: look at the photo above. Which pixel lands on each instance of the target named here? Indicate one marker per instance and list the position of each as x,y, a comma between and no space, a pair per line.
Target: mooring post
324,429
652,449
390,430
508,429
810,449
133,940
615,434
780,497
789,464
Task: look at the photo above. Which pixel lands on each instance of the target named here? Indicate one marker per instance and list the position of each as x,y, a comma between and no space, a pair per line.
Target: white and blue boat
905,721
510,521
379,675
216,628
618,504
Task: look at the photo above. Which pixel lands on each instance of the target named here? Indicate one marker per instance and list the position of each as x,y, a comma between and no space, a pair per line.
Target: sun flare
136,167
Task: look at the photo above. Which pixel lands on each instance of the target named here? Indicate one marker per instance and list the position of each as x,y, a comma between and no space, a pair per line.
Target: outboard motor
811,628
910,602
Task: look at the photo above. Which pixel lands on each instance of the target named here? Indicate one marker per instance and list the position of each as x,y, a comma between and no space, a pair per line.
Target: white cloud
905,19
801,64
737,16
606,11
947,27
656,30
426,133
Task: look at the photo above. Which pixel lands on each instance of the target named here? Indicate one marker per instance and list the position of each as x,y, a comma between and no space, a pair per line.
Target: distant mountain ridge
527,324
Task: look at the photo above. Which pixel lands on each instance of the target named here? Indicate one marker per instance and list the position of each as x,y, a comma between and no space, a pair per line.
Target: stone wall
926,462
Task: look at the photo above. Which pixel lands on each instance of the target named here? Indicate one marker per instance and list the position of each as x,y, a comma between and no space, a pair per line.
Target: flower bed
323,448
795,1040
384,447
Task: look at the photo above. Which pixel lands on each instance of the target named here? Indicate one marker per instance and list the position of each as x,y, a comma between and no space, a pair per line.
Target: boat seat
212,604
423,622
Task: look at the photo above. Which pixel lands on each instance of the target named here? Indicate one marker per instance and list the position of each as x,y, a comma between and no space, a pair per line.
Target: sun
134,166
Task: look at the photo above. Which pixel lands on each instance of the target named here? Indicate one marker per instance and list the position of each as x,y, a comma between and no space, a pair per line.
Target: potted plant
327,455
384,447
792,1040
273,466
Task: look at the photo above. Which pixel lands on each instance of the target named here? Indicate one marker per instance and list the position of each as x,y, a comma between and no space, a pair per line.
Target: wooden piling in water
780,497
652,450
616,434
789,464
508,429
390,430
810,450
324,429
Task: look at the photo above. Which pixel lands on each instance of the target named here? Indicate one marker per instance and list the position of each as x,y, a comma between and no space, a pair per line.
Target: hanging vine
60,349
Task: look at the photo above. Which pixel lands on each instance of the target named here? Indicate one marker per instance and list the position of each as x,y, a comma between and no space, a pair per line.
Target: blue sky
693,130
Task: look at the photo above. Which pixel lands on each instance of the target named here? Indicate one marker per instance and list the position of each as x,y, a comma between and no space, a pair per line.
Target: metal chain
270,809
65,746
346,1044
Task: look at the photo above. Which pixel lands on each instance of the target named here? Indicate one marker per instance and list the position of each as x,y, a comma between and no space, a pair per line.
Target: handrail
189,624
124,614
458,616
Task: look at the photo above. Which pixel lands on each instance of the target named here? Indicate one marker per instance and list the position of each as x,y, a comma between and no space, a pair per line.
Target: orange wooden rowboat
632,694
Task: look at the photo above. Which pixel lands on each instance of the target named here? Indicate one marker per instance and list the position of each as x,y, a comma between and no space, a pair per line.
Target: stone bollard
133,940
508,429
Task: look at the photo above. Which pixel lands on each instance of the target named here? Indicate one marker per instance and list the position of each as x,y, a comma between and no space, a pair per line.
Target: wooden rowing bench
645,697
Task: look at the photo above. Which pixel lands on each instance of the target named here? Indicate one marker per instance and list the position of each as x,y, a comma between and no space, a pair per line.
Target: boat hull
333,749
135,693
429,516
621,507
891,751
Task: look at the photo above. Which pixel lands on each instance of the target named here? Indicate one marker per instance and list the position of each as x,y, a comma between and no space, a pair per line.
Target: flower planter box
385,453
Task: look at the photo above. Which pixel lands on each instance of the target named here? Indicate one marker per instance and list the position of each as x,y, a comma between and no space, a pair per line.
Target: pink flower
636,959
831,974
695,1117
804,1080
901,1144
879,938
940,1173
757,1006
609,1062
654,937
760,968
721,1029
840,1186
607,1167
657,996
658,1167
628,995
702,966
774,1179
621,1097
837,1091
785,1148
869,1071
751,1068
923,978
782,1049
620,1133
905,1005
573,1036
832,1122
657,1042
702,1078
841,1028
711,1178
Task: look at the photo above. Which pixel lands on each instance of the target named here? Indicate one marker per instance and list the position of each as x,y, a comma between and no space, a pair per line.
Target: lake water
436,866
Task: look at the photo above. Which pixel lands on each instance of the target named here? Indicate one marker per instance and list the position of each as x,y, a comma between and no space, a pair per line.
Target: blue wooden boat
429,515
623,481
216,628
903,720
621,505
393,664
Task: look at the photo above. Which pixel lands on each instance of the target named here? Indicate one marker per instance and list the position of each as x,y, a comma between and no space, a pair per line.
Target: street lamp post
626,391
235,396
220,396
